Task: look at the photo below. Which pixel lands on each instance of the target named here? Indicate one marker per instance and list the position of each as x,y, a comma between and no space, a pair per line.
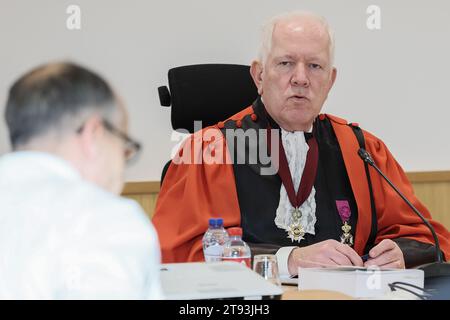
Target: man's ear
333,77
256,70
92,131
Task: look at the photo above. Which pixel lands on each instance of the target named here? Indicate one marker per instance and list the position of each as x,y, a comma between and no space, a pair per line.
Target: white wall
393,81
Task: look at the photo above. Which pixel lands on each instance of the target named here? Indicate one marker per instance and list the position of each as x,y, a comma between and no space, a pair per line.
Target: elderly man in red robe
324,206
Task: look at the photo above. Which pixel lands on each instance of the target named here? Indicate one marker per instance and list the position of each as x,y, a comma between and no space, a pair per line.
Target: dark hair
44,98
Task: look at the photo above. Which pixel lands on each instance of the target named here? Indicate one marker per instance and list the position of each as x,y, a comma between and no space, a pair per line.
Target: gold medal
296,214
347,237
295,230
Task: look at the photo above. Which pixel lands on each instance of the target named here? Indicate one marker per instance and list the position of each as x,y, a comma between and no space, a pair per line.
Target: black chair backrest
207,92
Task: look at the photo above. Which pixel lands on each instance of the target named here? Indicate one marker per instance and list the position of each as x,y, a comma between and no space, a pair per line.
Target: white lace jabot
296,149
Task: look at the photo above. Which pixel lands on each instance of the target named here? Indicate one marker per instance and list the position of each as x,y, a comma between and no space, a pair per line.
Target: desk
292,293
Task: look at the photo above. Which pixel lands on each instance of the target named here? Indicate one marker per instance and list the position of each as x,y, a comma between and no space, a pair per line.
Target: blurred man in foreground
64,232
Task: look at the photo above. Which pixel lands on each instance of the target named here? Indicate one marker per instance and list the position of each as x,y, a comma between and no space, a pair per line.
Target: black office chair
206,92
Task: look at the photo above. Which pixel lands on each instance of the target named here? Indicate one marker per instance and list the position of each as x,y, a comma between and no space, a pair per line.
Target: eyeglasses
132,148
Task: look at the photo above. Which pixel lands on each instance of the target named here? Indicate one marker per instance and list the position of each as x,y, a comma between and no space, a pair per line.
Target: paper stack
359,282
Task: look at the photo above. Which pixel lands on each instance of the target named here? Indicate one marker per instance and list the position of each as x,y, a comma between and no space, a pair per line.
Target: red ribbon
309,172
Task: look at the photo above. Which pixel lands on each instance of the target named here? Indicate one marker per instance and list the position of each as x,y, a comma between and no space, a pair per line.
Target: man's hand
327,253
387,254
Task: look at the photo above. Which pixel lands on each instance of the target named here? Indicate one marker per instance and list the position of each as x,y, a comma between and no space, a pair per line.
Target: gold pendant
295,230
347,237
296,214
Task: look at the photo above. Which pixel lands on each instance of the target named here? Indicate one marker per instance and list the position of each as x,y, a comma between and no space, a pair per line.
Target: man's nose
300,77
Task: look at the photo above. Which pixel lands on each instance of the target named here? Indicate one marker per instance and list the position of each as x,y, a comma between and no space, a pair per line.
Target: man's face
297,75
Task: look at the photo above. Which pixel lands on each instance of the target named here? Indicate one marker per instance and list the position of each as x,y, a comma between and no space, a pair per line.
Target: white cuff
282,259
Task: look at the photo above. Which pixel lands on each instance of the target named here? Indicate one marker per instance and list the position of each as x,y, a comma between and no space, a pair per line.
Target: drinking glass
266,266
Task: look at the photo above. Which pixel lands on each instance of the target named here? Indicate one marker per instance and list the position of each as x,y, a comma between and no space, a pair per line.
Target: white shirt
62,237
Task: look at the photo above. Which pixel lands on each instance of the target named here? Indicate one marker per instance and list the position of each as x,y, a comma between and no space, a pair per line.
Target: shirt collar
36,163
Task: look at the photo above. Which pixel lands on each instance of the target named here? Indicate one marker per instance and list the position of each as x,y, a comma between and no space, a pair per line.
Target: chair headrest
207,92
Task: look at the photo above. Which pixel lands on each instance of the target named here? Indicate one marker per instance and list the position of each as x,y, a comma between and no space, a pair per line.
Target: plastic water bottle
236,249
214,240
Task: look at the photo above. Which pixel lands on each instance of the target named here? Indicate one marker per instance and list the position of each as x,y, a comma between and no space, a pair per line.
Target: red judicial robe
193,193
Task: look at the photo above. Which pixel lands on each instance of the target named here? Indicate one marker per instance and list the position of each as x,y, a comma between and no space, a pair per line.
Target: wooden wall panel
432,188
145,193
436,197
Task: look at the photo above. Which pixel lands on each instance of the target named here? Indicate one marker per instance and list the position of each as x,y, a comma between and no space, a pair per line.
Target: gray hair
269,26
55,96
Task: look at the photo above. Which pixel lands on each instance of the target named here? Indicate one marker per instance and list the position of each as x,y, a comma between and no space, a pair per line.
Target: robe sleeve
395,218
199,185
416,253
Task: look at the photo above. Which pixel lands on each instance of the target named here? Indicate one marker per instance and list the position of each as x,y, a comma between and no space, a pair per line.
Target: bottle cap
235,231
216,222
212,222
